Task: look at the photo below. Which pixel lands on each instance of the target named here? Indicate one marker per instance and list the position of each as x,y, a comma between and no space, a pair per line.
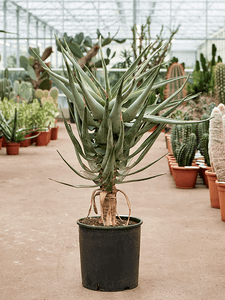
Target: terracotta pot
170,150
185,177
42,139
221,192
154,128
213,192
33,140
49,135
3,142
174,163
54,134
26,143
1,139
12,148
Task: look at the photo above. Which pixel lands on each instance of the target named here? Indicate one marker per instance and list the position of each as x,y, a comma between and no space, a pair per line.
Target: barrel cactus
174,71
219,73
110,121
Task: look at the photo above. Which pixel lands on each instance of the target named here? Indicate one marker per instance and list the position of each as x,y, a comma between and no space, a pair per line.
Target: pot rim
210,172
221,183
135,219
185,168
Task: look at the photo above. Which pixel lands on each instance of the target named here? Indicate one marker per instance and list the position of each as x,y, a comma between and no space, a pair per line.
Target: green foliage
113,119
48,96
203,78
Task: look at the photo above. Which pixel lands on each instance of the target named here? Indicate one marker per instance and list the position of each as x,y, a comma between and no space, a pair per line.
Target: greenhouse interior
98,94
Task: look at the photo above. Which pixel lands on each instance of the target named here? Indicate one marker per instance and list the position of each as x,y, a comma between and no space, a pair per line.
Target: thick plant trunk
90,54
108,205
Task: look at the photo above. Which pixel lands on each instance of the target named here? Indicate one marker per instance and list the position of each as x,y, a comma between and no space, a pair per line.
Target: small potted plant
40,120
12,133
109,126
185,173
217,157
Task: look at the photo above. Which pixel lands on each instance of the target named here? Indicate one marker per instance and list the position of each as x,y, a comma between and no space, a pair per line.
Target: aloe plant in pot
110,121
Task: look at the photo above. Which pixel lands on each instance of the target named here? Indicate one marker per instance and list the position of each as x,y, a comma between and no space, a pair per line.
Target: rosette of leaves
109,128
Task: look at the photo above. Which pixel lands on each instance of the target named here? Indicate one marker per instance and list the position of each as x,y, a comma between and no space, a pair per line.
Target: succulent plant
219,72
6,90
23,90
187,151
109,125
175,70
48,96
217,142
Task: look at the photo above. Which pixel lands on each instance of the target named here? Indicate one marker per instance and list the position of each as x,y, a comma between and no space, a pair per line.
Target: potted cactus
109,126
184,143
217,158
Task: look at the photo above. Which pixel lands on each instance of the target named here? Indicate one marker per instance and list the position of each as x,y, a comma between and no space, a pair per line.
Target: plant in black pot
109,127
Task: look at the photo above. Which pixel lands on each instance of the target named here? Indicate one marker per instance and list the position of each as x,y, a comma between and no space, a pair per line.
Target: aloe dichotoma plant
110,121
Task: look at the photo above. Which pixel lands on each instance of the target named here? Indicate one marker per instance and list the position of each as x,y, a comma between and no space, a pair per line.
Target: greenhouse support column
134,12
51,44
44,37
206,27
62,25
4,46
28,28
37,33
17,40
56,54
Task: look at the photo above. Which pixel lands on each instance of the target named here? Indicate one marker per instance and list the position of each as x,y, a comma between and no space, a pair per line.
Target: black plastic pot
110,256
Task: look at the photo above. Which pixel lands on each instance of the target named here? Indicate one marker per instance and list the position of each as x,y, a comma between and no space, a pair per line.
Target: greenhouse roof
198,20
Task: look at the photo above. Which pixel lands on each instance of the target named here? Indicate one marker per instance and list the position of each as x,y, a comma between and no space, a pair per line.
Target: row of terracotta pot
42,139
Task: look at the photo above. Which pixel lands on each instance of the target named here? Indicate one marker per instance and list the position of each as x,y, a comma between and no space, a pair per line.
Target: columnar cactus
220,81
217,142
6,90
187,152
175,70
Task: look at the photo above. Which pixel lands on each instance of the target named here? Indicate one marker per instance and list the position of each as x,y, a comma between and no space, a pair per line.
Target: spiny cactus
219,73
6,90
109,125
203,147
175,70
48,96
187,152
217,142
23,91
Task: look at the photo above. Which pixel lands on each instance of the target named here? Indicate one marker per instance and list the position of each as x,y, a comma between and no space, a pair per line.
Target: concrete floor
182,243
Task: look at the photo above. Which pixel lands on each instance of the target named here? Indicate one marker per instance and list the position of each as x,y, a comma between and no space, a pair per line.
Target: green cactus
39,93
204,149
5,89
47,99
187,151
220,81
175,70
187,130
54,93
